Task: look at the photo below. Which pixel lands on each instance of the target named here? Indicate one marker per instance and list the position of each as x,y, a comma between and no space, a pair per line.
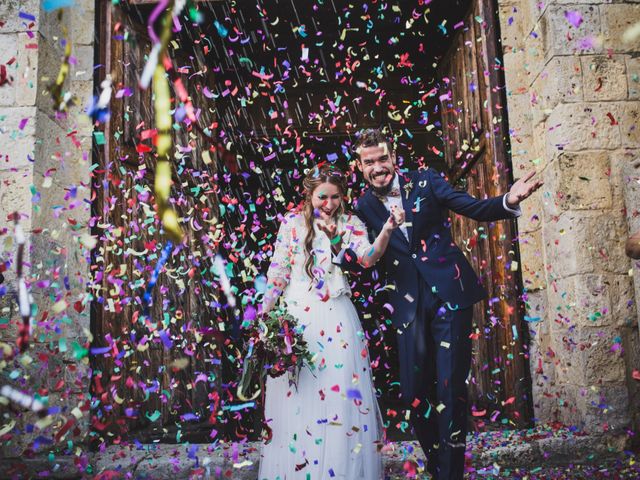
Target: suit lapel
377,206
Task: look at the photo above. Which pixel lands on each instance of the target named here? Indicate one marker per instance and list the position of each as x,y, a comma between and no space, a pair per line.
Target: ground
536,454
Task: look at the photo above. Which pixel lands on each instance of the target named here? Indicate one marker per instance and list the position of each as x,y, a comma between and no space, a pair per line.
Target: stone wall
45,175
573,89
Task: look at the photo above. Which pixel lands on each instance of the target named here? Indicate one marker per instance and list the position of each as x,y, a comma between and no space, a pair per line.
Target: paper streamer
62,101
146,298
163,180
22,399
24,297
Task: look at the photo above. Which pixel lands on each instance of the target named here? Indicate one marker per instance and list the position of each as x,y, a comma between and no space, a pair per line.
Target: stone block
518,75
616,19
585,357
517,19
604,77
532,260
82,23
563,38
9,13
593,300
540,159
17,144
579,126
633,77
625,180
578,181
560,81
26,81
56,150
585,242
83,69
536,303
629,120
15,196
604,408
523,153
534,51
9,315
520,116
9,42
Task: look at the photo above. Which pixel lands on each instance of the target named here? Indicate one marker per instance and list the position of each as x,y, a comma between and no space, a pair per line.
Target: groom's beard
384,191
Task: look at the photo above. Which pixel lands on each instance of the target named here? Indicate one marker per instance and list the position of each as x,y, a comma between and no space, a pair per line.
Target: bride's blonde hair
317,176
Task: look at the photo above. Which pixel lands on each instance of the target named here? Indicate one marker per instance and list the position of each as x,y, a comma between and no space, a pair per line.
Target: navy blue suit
435,288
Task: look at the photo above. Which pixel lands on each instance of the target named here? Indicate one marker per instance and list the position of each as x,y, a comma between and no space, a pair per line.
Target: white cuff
336,258
515,212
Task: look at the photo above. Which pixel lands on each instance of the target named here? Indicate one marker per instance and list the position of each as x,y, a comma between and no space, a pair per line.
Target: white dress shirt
389,202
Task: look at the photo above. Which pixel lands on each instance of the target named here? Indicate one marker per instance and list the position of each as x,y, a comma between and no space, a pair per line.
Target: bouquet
275,347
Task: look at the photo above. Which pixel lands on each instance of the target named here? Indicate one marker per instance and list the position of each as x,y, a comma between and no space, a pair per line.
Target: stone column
46,176
573,115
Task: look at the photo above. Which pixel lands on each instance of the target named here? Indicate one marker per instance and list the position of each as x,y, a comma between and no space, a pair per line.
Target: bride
329,426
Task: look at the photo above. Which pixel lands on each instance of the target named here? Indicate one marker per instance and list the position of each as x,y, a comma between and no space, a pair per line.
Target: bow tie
394,192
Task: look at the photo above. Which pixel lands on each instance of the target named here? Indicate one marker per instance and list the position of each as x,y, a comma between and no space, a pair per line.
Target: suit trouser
435,358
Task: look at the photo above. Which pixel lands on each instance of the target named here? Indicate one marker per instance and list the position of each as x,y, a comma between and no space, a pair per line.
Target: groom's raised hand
522,189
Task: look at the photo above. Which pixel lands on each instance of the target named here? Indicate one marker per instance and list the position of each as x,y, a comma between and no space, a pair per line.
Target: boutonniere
407,188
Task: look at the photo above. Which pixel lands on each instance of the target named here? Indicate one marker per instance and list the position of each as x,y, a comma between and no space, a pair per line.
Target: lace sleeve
280,266
357,237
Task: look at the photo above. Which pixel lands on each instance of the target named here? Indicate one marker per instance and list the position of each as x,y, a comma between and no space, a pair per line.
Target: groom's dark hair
371,137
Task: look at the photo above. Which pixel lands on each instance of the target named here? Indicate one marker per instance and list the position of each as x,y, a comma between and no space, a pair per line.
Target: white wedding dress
330,427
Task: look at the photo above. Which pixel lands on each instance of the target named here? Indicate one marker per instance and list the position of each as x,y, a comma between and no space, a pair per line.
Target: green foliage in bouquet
275,346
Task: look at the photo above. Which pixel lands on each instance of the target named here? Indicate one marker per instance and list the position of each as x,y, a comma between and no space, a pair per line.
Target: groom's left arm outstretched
487,210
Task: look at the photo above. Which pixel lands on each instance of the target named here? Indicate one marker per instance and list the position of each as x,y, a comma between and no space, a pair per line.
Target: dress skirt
329,427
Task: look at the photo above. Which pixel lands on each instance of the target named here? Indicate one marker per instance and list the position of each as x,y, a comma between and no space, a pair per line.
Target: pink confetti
574,18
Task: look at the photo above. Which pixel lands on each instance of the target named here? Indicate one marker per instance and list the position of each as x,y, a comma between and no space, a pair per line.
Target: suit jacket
430,255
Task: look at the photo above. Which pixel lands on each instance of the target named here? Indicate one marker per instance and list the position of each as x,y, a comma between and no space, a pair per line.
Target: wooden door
476,149
155,376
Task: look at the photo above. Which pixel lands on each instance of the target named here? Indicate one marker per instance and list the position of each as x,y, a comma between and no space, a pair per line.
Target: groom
434,291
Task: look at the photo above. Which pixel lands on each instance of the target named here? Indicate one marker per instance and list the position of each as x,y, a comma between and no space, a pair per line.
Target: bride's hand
396,218
329,229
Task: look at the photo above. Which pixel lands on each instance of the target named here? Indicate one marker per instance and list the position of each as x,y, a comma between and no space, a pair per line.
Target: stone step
488,452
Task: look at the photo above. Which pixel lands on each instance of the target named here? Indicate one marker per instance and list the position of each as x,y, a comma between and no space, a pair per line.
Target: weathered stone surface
56,150
17,143
560,81
625,180
532,260
631,345
8,315
585,242
15,196
629,119
563,38
82,23
9,42
604,407
518,77
633,77
520,115
605,77
9,10
534,51
585,356
580,181
593,300
616,19
579,126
